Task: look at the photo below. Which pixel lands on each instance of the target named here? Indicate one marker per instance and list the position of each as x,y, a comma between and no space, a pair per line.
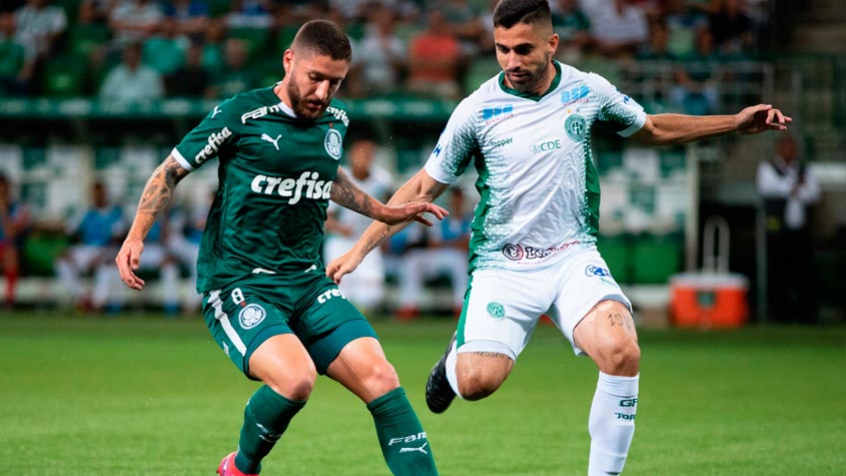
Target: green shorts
309,305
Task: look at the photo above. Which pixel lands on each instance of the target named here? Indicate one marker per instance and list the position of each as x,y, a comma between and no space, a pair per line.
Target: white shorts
502,307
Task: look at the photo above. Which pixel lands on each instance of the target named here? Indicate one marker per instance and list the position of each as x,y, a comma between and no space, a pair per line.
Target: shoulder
338,110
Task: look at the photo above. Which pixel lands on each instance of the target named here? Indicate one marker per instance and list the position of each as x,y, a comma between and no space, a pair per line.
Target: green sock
404,443
265,419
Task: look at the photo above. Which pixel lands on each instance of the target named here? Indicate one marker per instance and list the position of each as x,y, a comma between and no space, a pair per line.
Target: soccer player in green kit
266,298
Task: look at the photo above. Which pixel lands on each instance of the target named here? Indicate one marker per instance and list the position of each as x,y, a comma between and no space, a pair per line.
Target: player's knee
622,357
381,378
293,385
479,384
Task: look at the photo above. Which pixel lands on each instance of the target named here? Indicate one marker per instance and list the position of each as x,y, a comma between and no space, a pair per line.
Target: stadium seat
64,76
84,38
655,259
616,251
40,252
71,8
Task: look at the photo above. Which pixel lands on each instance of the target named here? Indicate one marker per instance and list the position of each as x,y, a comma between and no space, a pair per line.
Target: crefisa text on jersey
288,187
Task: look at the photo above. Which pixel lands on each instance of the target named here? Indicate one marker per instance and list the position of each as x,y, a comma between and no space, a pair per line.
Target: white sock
612,423
451,361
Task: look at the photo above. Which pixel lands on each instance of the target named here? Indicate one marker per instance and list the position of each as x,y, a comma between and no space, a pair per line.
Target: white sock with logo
452,359
612,423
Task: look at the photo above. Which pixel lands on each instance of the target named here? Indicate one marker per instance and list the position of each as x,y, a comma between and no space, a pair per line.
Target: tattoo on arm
159,189
346,194
623,320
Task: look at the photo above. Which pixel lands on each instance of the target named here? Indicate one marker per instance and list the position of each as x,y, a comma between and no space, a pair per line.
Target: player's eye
523,49
502,49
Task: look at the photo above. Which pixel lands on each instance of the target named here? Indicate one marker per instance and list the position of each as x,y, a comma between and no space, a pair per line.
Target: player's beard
533,79
300,104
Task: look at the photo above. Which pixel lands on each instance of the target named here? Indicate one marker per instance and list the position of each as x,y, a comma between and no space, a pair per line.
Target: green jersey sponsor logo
339,114
496,310
307,185
500,143
545,146
214,141
576,127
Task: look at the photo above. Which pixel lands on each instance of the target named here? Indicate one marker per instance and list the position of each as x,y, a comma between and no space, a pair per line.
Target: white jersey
538,184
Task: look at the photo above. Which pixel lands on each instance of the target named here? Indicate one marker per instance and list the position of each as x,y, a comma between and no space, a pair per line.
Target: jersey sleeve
622,113
456,147
215,133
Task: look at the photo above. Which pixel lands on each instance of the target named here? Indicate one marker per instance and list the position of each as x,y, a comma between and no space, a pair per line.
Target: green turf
150,396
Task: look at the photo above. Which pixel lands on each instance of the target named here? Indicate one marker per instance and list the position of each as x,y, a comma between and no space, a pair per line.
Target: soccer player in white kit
533,245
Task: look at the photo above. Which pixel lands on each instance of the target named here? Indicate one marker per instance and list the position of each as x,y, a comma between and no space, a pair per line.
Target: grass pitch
142,395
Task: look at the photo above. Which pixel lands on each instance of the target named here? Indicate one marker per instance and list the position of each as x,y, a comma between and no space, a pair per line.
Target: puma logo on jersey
214,142
275,142
421,449
306,186
216,111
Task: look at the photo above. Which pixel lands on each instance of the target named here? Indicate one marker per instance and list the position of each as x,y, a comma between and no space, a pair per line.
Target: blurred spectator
191,16
465,23
165,51
235,76
379,58
249,14
730,27
657,48
15,72
214,38
39,25
14,224
433,57
192,79
695,91
366,287
446,253
134,21
683,25
94,11
183,243
788,190
617,27
132,80
573,30
97,232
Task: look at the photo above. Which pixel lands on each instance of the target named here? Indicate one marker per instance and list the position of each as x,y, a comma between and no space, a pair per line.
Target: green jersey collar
532,96
282,106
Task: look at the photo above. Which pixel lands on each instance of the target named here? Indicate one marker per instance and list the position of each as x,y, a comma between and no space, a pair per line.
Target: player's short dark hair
508,13
325,38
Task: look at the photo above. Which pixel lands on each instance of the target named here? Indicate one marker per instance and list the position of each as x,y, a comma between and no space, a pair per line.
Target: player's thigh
501,309
326,321
241,319
584,282
362,367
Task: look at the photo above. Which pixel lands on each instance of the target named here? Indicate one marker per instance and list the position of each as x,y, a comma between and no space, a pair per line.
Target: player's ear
553,43
288,61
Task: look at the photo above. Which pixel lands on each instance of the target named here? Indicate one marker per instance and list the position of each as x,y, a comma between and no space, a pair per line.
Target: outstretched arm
419,189
346,194
155,197
670,129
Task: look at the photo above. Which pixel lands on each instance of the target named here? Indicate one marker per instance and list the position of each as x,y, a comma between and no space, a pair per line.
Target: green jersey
275,177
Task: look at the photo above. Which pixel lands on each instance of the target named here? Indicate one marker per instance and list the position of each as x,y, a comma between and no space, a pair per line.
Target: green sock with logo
404,443
265,419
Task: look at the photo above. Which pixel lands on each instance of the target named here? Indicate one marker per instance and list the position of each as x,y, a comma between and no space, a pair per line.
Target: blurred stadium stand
57,137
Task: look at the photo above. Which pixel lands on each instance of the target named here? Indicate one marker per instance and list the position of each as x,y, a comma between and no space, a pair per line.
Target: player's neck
281,91
543,86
